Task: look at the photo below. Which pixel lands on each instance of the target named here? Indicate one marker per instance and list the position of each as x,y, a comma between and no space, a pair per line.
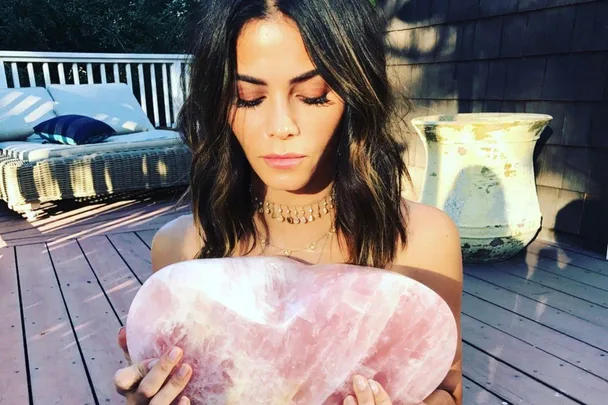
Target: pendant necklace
287,252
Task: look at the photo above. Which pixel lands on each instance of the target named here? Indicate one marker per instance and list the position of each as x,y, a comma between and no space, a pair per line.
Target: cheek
245,128
320,124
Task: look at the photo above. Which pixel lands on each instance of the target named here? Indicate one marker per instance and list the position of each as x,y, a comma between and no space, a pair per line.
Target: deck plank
563,347
544,294
116,278
68,213
147,236
94,321
562,376
573,245
559,321
131,224
565,255
13,375
85,214
134,252
88,218
558,282
570,271
57,372
474,394
506,382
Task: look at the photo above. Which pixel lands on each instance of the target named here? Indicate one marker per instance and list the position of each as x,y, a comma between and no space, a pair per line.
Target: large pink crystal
272,331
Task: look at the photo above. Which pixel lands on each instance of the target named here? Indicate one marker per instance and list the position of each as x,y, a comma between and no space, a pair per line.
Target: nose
281,123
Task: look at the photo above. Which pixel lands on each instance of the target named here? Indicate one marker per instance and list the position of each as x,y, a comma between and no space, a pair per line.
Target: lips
283,161
283,156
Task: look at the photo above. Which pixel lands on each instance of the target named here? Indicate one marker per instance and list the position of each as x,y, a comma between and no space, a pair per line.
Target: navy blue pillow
74,129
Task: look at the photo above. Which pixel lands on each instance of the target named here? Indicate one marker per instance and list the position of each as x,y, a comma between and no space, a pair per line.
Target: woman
290,120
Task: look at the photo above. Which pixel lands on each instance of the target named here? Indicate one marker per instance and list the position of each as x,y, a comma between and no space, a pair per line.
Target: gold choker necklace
295,214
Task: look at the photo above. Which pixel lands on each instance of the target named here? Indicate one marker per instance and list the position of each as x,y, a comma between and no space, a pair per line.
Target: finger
380,395
157,376
127,378
363,391
174,387
122,342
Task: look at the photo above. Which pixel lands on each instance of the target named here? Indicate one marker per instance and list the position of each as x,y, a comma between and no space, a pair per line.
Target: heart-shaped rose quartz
272,331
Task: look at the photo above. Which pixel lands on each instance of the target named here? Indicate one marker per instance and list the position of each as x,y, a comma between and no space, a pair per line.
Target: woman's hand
367,392
146,383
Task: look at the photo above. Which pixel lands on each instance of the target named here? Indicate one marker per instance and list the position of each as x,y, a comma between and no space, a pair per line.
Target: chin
285,181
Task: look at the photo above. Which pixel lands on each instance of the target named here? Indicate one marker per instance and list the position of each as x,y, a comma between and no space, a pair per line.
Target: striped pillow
74,129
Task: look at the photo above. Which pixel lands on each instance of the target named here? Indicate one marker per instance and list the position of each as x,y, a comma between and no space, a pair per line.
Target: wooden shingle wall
542,56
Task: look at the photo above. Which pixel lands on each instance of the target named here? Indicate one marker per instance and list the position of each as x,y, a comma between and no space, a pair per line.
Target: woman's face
286,114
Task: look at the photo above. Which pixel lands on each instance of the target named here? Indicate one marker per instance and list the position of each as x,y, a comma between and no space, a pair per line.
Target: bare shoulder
433,241
176,241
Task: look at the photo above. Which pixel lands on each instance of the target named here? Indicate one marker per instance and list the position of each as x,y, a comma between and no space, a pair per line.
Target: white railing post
168,118
142,87
30,74
154,94
3,81
176,88
75,73
15,75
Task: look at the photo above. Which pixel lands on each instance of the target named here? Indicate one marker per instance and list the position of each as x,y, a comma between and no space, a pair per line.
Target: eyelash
322,100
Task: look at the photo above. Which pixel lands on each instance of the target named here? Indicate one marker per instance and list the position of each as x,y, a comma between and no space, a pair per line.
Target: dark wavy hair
345,41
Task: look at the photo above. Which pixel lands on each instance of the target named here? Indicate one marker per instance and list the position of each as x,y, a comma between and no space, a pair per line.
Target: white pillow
21,110
112,103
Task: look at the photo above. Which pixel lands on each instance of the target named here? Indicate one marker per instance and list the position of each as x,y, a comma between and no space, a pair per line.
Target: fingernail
152,364
350,401
183,370
361,383
183,401
374,386
174,354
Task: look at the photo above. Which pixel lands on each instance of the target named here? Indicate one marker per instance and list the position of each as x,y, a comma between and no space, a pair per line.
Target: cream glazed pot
480,172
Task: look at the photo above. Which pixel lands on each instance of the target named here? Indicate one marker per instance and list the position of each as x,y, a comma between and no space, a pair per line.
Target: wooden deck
535,328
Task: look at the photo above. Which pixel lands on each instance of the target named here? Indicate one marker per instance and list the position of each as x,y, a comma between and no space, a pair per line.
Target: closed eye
249,103
317,101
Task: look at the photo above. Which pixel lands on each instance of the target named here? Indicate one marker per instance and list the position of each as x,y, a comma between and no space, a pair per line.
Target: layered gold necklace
297,215
311,247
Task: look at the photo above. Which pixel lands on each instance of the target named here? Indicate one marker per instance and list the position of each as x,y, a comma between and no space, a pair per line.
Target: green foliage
131,26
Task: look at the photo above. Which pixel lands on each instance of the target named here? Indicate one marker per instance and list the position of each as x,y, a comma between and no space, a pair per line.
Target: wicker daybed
34,171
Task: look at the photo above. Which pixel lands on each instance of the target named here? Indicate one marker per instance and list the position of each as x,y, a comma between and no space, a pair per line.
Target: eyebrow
298,79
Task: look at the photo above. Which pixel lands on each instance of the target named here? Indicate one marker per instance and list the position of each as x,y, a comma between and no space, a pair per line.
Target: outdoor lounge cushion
112,103
34,149
74,130
21,109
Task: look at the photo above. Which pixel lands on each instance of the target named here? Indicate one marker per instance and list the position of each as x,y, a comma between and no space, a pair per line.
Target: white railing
156,79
